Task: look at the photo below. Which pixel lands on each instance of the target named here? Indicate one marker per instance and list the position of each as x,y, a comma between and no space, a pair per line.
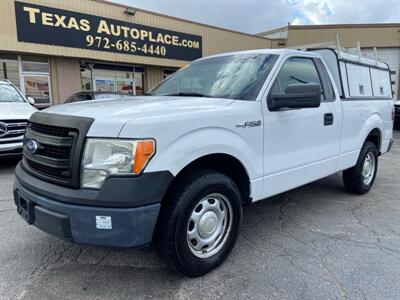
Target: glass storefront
9,68
30,74
37,87
36,78
112,78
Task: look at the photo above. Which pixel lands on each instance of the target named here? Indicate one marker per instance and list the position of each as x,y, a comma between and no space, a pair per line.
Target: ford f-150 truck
176,167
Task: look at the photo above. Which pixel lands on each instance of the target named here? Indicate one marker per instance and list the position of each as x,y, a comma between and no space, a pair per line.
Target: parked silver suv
15,111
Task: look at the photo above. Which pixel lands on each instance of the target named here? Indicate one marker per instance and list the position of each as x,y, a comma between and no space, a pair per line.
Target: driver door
300,146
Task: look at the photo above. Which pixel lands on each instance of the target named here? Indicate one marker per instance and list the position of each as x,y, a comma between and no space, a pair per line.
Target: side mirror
297,96
31,101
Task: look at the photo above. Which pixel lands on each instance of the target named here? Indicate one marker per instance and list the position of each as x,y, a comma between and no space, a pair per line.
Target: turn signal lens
144,151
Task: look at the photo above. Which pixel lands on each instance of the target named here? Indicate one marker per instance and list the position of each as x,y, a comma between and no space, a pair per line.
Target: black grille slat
55,152
61,164
51,130
48,170
51,140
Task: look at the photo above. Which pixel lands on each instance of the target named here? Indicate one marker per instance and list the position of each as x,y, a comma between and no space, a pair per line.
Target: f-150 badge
249,124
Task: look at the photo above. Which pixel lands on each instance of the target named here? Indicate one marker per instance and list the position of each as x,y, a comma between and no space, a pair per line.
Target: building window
86,78
9,68
30,74
35,75
139,80
38,88
112,78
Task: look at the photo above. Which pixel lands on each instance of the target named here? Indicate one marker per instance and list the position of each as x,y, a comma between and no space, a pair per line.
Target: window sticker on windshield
103,222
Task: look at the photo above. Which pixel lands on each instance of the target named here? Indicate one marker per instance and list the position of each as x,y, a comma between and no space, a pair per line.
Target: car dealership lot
313,242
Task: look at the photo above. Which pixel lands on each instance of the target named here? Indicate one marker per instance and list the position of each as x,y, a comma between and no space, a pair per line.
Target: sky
254,16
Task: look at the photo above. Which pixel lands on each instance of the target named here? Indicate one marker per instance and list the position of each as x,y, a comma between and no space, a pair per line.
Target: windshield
8,93
239,76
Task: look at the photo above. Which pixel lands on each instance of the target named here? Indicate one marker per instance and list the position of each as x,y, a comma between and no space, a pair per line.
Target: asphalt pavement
314,242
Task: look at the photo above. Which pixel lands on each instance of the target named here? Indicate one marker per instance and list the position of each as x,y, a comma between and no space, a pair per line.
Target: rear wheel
360,178
198,226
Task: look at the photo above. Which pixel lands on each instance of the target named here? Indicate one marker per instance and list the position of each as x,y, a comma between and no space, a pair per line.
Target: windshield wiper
297,79
188,94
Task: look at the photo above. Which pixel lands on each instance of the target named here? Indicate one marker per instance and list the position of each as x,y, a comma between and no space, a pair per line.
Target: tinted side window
79,97
87,96
296,70
73,98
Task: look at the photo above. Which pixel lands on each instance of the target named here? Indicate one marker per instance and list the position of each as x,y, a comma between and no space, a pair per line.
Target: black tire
171,236
353,178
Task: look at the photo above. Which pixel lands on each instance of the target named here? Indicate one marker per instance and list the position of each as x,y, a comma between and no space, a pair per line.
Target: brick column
65,77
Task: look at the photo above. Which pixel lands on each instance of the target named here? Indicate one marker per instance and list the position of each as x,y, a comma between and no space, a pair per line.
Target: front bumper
113,226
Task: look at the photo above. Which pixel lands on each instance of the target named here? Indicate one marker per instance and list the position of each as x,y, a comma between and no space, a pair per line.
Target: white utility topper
176,167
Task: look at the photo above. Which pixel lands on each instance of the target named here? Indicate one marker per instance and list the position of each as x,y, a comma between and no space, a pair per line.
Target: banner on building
53,26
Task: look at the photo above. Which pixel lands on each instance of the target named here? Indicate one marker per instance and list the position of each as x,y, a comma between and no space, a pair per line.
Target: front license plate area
25,210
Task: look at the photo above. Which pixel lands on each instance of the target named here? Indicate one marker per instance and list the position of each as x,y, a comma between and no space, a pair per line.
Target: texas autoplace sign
53,26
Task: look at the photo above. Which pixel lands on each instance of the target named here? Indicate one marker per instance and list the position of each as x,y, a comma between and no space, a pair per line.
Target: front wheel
198,226
360,178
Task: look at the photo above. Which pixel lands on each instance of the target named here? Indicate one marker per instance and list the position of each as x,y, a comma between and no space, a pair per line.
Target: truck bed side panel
360,117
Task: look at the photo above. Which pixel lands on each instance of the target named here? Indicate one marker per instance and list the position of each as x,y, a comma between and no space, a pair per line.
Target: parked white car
15,111
176,167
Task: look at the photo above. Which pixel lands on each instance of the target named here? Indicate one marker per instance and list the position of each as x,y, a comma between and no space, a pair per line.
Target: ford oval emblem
31,146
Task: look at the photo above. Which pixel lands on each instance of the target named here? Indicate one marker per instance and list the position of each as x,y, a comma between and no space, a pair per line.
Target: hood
111,115
16,110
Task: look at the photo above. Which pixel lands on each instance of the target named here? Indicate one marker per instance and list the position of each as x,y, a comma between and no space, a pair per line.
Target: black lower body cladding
121,214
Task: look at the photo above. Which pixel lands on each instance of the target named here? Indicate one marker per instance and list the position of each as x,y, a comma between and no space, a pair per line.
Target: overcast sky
253,16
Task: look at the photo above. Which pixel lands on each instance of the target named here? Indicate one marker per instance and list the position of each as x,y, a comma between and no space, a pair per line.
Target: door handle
328,119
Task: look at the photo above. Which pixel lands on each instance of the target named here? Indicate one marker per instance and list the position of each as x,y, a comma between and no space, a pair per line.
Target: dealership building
52,49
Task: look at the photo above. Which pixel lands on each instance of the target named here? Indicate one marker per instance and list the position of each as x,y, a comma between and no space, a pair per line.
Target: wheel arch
375,136
373,131
220,162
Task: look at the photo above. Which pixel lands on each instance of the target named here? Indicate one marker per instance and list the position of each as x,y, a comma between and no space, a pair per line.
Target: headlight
103,157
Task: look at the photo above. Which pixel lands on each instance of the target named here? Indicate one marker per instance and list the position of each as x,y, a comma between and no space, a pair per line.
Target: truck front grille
53,154
58,149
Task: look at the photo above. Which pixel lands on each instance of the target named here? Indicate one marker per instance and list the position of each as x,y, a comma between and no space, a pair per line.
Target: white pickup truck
176,167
